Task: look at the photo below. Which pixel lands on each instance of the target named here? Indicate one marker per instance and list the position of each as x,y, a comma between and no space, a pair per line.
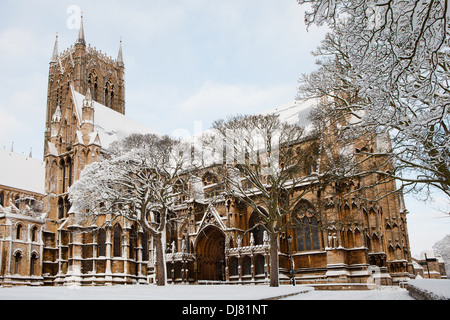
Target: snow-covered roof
296,112
110,125
21,172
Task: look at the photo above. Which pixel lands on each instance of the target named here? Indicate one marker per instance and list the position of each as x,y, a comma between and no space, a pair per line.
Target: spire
81,32
120,56
55,50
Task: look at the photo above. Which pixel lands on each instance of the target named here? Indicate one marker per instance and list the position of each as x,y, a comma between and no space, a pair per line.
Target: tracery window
93,85
19,232
34,234
211,185
233,268
132,236
257,229
117,243
209,179
101,240
60,208
144,241
259,264
246,266
33,262
17,259
307,227
66,206
62,167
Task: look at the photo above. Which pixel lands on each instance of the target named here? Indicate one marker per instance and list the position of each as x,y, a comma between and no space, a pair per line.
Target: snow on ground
383,293
181,292
148,292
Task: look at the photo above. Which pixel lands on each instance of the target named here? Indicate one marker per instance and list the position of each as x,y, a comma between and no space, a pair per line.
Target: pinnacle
81,38
120,56
55,50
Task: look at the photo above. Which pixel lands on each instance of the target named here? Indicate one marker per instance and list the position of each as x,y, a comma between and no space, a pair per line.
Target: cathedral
42,243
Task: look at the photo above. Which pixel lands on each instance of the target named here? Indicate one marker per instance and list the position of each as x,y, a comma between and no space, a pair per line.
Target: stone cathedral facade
85,113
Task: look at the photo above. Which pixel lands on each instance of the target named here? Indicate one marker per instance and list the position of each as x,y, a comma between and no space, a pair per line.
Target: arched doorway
210,250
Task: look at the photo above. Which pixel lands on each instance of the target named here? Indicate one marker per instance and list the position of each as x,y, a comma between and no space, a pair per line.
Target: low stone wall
429,289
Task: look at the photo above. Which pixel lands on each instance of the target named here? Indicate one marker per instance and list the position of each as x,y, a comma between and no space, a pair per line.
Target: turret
87,117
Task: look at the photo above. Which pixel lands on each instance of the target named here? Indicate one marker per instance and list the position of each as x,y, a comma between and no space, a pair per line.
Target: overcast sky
186,61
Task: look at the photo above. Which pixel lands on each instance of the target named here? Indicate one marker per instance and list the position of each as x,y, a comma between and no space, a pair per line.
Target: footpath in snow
151,292
198,293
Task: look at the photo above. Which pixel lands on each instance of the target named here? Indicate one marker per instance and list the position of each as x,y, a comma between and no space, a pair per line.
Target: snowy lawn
180,292
150,292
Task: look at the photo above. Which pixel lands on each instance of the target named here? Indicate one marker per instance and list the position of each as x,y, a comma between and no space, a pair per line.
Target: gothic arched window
259,264
101,240
257,229
66,206
34,234
117,243
106,96
69,171
132,236
144,242
209,178
33,262
19,232
306,227
212,186
17,259
112,97
233,268
246,266
93,85
62,166
60,208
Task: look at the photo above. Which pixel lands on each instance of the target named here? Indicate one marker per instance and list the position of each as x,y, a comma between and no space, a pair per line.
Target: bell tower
83,67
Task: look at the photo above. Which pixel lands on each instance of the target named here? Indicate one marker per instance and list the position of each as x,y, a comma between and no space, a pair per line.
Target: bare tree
136,181
386,65
265,164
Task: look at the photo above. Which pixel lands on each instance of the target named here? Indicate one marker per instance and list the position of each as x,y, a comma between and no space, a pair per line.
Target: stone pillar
108,272
75,272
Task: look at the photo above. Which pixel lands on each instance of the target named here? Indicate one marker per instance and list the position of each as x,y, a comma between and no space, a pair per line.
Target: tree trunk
160,262
274,265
